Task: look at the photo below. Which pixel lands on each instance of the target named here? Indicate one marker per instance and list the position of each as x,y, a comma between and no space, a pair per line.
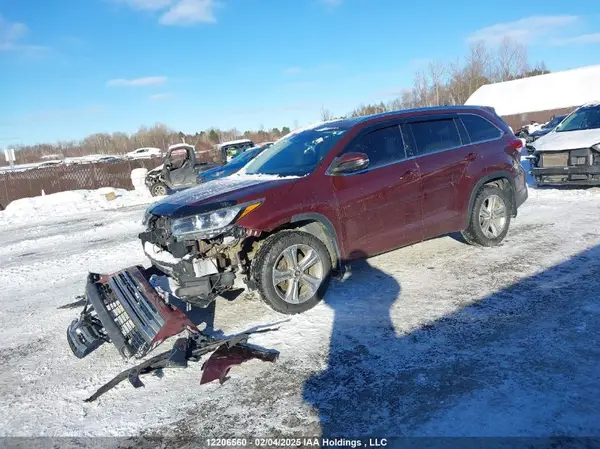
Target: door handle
408,174
471,157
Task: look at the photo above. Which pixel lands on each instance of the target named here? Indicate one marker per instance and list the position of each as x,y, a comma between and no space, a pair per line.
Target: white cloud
137,82
189,12
529,30
160,97
582,39
150,5
11,33
292,70
11,36
177,12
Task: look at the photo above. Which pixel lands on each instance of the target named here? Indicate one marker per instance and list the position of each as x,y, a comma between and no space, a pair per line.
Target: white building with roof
540,97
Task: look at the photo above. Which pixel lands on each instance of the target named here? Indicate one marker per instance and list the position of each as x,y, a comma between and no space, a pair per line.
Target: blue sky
70,68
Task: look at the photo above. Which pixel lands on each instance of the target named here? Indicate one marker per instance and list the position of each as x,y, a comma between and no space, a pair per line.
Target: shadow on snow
520,362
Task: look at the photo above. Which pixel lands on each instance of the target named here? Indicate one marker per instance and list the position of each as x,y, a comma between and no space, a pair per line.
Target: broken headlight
212,223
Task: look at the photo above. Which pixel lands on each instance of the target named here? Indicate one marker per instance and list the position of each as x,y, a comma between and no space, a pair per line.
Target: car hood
219,171
220,193
541,132
568,140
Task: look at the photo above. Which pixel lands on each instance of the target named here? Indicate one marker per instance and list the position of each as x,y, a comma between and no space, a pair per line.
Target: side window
383,146
435,135
479,128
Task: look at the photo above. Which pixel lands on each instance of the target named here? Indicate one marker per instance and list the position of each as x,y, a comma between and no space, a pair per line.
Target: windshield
586,117
554,122
245,156
297,154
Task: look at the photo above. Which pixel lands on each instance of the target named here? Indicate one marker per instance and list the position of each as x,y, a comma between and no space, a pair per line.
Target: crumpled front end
201,268
570,167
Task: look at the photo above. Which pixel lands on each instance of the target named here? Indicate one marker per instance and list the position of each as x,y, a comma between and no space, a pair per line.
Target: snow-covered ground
439,338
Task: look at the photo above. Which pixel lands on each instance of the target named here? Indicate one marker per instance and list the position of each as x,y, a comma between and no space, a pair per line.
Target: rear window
479,128
435,135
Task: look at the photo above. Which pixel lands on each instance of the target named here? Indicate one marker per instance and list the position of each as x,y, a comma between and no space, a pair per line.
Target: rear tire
292,270
490,217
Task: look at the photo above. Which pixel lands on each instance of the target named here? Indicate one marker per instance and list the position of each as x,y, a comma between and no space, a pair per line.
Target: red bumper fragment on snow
223,359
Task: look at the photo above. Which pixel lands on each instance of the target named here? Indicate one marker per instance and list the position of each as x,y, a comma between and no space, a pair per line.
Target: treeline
440,83
452,83
157,136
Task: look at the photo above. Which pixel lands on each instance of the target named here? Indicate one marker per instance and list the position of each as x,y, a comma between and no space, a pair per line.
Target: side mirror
349,163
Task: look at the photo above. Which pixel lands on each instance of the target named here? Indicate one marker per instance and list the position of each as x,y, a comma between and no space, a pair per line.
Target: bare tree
436,73
511,60
421,88
479,66
326,114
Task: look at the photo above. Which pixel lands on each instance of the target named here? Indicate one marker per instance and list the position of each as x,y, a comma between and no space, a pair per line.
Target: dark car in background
233,148
235,165
546,128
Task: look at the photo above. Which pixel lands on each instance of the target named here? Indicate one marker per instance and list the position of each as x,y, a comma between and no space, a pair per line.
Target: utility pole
9,155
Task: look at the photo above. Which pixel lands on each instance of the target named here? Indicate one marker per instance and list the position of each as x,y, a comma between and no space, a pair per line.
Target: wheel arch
501,179
322,228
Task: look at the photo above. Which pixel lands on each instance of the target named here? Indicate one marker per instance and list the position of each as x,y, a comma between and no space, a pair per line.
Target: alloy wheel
297,273
492,216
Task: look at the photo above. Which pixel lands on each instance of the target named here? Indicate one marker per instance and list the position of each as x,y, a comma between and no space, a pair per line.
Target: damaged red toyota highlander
334,192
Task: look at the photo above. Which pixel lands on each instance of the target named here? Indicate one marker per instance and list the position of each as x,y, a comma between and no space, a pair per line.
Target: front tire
490,217
158,189
292,270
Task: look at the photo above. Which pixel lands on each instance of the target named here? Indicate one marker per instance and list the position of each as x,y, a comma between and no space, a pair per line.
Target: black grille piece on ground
86,333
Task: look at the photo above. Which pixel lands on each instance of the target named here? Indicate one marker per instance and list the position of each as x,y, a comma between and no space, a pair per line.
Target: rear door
486,140
379,207
442,152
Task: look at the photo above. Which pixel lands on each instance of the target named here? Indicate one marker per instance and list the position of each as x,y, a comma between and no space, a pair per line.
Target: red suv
334,192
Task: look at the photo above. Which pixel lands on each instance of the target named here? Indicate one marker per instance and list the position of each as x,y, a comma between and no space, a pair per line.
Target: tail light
514,147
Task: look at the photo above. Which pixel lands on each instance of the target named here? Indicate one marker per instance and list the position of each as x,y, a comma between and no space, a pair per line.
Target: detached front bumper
584,175
123,308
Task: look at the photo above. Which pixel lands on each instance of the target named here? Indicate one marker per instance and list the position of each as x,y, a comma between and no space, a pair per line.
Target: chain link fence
60,178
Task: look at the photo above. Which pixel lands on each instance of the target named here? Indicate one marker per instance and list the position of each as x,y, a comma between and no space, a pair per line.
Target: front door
179,170
380,207
442,157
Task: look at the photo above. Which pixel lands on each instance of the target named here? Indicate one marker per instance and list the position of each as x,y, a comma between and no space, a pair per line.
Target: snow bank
72,202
